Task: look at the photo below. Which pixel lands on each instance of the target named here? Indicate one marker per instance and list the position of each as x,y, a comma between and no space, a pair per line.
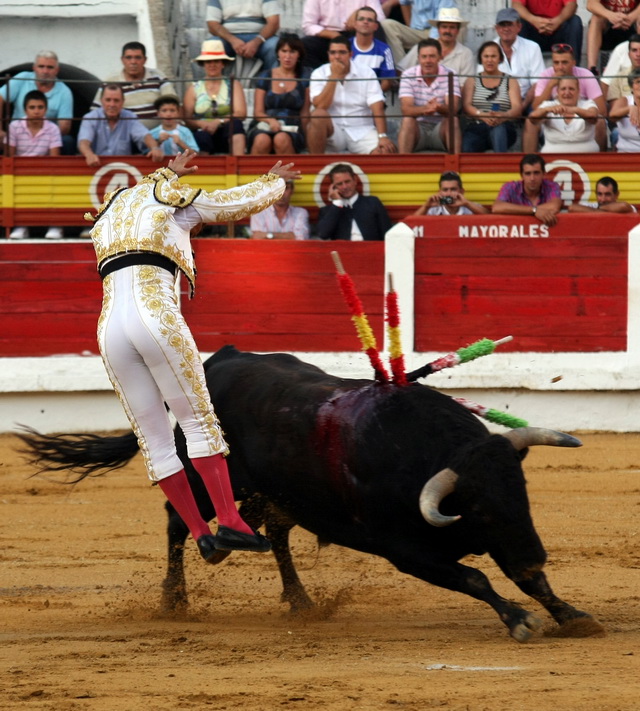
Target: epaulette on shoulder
168,190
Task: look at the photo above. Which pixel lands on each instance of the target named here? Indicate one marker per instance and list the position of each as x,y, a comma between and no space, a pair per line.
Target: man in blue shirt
58,94
369,51
417,15
114,131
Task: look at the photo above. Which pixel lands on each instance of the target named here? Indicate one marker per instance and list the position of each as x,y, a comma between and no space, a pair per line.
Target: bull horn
439,486
523,437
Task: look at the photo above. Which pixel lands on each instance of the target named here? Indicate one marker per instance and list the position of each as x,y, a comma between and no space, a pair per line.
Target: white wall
88,34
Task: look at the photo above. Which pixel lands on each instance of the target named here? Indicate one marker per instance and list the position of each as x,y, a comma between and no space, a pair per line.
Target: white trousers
152,359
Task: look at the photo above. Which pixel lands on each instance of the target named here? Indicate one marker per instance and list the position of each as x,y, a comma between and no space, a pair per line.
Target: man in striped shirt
141,86
425,102
247,28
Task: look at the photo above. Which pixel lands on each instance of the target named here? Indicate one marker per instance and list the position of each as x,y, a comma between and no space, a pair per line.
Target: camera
447,200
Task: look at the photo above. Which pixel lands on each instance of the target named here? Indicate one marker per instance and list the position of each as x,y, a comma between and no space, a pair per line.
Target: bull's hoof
523,631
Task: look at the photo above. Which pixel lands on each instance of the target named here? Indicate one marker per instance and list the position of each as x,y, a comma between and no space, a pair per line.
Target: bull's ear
523,437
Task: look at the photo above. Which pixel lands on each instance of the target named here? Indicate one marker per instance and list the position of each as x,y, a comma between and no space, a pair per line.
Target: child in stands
34,136
171,135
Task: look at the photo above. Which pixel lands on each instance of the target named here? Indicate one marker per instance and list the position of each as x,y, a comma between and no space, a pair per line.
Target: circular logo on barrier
322,182
572,178
110,177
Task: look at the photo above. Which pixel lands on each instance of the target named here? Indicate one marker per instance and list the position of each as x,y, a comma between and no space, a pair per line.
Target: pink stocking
215,475
176,488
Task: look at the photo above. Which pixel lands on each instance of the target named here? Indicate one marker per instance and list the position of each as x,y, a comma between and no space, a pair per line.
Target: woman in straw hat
215,106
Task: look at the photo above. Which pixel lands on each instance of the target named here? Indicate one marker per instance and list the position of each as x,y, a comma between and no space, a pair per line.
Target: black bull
349,460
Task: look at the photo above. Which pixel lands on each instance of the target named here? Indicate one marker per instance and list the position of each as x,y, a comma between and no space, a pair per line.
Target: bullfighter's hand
179,164
286,172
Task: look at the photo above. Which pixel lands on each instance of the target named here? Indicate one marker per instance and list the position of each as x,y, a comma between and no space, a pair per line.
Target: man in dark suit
350,215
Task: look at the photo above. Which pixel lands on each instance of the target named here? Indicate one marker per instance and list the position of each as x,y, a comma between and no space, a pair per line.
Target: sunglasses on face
562,48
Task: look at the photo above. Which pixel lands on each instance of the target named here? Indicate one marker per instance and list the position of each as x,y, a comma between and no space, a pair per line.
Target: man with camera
450,199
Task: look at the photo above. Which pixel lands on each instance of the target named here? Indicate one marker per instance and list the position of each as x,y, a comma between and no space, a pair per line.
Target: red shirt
545,8
624,6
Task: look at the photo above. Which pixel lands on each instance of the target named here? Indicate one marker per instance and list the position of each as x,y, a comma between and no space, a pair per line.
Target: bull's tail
82,455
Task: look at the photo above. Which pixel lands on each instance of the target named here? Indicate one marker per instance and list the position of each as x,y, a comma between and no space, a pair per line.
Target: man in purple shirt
546,88
533,195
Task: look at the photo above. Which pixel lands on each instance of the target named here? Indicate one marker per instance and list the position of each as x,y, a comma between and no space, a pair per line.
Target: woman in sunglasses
491,102
215,106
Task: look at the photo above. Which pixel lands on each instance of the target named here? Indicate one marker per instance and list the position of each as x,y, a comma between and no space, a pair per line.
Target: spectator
564,64
549,22
522,57
615,87
348,113
417,18
568,122
171,135
491,101
34,136
281,102
324,20
246,27
626,111
208,102
281,220
424,99
113,130
450,199
533,195
607,199
455,55
59,96
618,60
612,22
367,51
351,216
141,86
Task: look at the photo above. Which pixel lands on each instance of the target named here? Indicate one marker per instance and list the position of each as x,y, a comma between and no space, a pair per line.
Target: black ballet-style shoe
207,546
227,539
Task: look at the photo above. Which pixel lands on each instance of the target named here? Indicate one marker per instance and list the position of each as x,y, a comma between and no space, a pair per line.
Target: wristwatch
534,208
382,135
270,235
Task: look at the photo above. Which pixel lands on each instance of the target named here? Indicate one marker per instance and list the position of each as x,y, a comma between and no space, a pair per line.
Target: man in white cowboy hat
455,55
417,15
247,28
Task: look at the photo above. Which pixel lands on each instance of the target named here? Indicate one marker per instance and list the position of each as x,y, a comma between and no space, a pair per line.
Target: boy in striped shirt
34,136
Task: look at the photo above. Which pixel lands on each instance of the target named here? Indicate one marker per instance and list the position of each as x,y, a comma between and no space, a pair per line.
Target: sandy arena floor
80,626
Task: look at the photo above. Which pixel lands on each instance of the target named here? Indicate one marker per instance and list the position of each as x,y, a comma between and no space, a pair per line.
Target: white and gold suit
147,348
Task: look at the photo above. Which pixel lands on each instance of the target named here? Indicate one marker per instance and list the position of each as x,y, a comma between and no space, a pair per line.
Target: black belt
130,260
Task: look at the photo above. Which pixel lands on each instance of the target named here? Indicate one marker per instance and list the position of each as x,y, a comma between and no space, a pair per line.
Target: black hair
342,168
450,175
134,45
609,182
491,43
295,43
35,95
532,159
341,39
430,42
167,99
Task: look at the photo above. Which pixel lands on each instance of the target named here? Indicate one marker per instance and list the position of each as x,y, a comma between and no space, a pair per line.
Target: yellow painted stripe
73,191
